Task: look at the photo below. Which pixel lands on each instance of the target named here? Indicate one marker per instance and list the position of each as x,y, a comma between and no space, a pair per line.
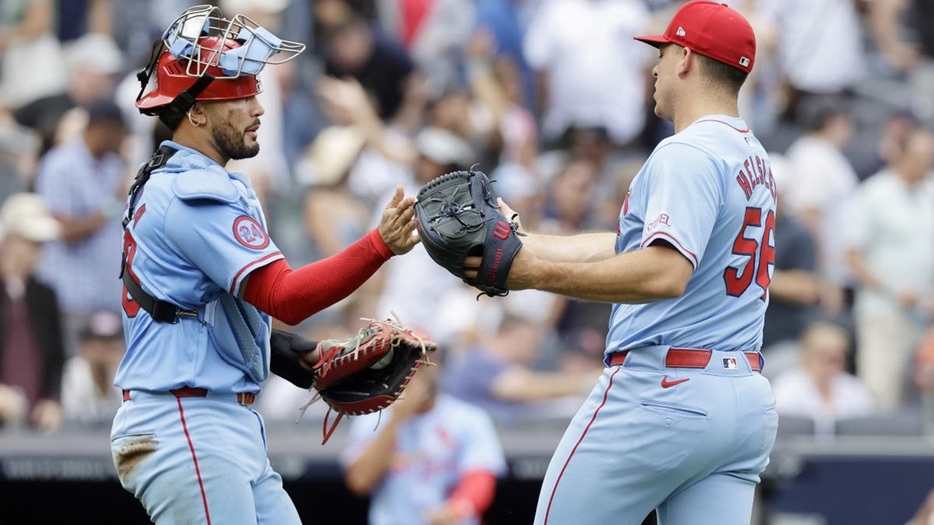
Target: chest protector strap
160,311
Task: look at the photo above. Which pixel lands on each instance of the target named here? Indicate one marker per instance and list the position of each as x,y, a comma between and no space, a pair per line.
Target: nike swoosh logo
668,384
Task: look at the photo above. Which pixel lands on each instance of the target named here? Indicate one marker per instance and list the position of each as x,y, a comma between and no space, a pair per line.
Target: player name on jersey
756,172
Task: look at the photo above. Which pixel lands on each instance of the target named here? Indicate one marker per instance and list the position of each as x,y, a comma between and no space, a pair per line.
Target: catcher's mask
205,57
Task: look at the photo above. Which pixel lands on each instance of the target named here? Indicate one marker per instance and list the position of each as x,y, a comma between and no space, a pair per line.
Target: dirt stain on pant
133,452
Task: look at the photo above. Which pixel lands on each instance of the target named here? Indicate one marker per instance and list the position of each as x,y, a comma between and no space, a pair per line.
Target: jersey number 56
760,253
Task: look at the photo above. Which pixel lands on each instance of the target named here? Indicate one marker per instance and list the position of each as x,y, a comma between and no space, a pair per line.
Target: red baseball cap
713,30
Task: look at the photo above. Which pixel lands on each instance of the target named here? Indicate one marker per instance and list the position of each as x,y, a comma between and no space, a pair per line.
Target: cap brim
652,40
152,100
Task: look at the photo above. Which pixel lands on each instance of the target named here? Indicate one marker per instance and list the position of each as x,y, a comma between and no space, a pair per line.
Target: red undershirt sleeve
474,493
294,295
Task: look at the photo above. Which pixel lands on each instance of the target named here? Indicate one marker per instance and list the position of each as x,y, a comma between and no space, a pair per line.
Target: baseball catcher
369,371
457,217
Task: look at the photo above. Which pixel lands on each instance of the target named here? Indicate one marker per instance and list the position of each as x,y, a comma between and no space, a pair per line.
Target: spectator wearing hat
31,344
89,396
83,182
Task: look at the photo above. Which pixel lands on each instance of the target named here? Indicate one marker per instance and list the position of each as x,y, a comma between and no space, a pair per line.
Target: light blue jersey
197,232
681,420
707,191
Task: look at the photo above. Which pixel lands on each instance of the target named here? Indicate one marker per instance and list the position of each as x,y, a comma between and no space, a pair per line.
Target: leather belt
244,398
688,358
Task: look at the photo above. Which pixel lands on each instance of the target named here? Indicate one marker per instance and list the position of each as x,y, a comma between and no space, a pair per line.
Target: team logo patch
730,363
249,233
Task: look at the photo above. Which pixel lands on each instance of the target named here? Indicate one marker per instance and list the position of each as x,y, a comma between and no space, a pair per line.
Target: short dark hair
724,74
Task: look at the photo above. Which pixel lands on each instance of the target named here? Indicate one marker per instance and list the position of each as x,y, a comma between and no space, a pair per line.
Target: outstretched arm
294,295
586,266
653,273
582,247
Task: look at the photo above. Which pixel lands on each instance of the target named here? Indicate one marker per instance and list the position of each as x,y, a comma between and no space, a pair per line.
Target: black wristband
287,350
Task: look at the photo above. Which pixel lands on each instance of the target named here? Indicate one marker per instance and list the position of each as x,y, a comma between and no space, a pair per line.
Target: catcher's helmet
172,78
205,57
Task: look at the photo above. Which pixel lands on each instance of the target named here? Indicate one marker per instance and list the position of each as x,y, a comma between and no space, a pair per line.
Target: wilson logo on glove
502,231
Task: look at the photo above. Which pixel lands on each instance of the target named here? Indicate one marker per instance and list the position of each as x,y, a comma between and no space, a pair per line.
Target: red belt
688,358
244,398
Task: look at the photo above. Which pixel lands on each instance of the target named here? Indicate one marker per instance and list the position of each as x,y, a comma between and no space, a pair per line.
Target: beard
232,143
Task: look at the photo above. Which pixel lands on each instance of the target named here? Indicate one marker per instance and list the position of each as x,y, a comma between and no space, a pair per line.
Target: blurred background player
430,460
497,374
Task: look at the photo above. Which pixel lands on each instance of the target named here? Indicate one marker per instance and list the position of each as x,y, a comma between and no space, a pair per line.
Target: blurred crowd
553,100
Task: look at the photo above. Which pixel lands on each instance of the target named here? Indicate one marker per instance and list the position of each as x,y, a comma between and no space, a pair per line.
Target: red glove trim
294,295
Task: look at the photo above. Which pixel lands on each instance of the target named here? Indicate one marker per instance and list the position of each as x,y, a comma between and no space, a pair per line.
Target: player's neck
201,142
694,109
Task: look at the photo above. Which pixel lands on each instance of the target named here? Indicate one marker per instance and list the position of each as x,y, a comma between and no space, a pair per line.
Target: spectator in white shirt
590,72
820,46
820,388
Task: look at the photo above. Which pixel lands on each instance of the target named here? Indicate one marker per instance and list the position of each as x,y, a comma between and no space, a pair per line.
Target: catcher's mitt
369,371
456,217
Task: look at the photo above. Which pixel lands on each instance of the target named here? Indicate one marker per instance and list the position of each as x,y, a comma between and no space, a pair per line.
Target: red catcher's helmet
204,56
172,77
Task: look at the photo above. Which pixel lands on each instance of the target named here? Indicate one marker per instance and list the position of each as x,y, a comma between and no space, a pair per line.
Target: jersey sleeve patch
250,233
